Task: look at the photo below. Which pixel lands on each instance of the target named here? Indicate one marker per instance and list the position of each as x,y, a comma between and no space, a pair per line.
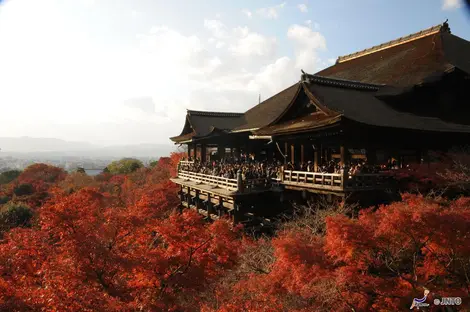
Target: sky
124,72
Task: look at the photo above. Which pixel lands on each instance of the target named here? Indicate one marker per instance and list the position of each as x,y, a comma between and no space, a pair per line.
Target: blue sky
114,71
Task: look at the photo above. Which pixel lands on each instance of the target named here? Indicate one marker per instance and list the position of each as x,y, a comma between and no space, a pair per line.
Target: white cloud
218,29
47,72
331,61
249,43
307,43
315,25
220,44
303,8
451,4
136,14
276,76
271,12
247,13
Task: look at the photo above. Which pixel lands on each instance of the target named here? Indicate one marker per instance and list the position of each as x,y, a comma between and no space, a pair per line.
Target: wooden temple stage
400,102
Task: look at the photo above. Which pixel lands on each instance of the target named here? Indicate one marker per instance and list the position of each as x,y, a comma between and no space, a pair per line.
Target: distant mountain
43,147
28,144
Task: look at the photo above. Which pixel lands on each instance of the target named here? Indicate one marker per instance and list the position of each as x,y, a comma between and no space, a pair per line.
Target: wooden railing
300,179
239,184
230,184
330,181
335,181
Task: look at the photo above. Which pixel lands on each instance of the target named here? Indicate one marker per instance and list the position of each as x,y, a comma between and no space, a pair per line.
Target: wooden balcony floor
214,189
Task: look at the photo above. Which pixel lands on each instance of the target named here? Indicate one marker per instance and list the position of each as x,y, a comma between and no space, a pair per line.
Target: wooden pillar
181,193
342,152
371,155
426,158
285,152
203,153
419,156
189,151
269,154
238,153
292,154
302,154
197,200
209,205
237,213
315,161
188,197
221,152
240,185
220,211
193,148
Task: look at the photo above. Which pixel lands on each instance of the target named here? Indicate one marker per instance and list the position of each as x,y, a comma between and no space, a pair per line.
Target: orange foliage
121,246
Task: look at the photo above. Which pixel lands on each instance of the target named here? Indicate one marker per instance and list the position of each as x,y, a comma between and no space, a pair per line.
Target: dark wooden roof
200,124
363,106
298,125
355,101
406,61
269,110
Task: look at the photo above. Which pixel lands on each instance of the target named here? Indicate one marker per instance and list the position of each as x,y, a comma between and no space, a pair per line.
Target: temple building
391,103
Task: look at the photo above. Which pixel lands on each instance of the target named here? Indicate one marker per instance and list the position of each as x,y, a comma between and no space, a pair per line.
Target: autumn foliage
118,243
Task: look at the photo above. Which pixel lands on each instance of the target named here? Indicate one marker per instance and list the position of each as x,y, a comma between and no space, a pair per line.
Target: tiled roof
406,61
307,78
392,43
297,125
204,123
213,114
364,107
269,110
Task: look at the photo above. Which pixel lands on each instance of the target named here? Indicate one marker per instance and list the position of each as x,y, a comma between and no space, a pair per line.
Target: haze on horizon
124,72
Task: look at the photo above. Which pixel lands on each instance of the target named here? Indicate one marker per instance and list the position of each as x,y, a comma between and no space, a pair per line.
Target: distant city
19,153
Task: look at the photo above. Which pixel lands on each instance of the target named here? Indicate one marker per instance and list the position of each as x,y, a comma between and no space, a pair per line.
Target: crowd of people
251,169
228,168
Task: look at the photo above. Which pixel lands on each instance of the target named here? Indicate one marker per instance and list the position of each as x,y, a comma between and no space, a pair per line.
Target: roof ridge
214,114
411,37
341,82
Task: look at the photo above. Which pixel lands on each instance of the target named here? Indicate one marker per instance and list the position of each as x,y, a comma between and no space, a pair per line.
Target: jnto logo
420,302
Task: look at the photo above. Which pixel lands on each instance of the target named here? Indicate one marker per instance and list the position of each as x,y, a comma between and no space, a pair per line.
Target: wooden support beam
221,151
315,161
419,156
237,213
189,151
209,205
292,154
342,152
371,155
285,152
203,153
302,154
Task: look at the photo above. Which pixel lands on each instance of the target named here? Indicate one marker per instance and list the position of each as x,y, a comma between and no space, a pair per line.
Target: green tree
124,166
8,176
15,215
23,189
80,170
4,200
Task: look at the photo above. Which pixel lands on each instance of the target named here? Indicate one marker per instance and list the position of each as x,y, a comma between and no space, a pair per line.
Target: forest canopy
117,242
